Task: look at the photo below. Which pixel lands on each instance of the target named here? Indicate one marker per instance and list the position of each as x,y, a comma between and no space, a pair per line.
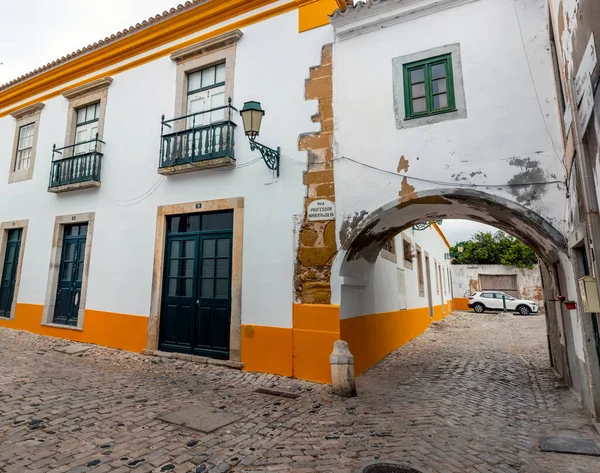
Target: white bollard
342,370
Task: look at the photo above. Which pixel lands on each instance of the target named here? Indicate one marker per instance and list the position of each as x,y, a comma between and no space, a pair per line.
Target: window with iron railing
206,131
81,161
77,163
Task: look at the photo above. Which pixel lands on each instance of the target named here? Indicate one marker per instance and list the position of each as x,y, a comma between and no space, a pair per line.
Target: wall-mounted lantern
252,115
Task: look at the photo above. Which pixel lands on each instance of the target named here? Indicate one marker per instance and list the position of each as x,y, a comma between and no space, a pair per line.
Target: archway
372,332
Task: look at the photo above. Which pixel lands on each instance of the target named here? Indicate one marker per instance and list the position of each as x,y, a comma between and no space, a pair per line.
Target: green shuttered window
429,87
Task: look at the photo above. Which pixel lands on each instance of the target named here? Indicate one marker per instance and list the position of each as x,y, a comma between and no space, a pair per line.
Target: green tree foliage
494,248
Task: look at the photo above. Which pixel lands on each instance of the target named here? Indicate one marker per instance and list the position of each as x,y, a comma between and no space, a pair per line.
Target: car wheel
479,308
524,310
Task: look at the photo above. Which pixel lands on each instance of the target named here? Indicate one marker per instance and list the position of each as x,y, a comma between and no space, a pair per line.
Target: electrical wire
443,183
117,201
139,199
431,181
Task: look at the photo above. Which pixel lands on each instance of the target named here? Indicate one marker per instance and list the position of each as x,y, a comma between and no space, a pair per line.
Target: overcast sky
35,32
462,230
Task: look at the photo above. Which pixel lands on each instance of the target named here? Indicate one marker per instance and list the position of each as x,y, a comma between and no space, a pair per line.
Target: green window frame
429,87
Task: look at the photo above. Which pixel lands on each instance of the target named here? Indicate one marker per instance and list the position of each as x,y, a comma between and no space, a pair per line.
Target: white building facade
452,112
135,214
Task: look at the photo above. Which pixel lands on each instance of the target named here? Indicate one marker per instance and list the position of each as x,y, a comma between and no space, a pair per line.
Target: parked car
492,300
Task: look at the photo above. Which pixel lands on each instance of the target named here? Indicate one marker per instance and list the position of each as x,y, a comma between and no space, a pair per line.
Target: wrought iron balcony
197,141
78,166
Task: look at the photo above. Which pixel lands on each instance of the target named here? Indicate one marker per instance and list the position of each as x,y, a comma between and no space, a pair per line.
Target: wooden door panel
70,277
8,276
221,323
197,284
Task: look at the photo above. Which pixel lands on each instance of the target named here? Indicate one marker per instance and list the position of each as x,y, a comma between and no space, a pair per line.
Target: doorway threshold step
238,365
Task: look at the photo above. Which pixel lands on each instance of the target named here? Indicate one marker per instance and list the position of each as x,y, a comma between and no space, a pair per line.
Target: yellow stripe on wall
372,337
461,303
109,329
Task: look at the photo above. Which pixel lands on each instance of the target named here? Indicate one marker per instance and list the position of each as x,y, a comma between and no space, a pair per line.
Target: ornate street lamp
252,115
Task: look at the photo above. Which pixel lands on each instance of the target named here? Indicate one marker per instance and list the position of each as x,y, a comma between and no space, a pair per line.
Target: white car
492,300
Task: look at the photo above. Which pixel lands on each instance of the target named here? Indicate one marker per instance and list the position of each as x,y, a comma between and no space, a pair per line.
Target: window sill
388,255
432,114
197,166
74,187
408,264
66,327
20,175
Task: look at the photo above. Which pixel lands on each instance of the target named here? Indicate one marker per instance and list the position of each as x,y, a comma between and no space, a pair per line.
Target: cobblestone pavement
473,394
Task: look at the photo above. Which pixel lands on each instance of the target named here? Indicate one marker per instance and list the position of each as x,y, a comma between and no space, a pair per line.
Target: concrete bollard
342,370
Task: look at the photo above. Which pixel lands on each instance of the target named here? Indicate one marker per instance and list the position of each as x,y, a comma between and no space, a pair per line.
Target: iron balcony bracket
271,157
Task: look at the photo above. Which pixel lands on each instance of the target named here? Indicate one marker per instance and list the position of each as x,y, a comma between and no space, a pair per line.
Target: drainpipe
592,221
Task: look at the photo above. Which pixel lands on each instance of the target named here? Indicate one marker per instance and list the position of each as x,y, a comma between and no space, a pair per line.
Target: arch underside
367,239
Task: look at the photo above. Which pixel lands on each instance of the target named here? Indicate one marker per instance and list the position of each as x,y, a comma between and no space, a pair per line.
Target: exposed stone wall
317,245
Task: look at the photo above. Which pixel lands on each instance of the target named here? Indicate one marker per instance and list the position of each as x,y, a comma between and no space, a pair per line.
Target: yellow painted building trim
461,303
372,337
267,349
110,329
315,13
317,317
441,233
164,32
316,328
302,351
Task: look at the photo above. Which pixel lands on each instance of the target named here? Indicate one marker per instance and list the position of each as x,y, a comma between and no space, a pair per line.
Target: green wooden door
9,271
196,301
70,274
214,306
179,294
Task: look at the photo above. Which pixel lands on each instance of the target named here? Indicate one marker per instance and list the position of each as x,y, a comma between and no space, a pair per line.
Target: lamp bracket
269,155
425,225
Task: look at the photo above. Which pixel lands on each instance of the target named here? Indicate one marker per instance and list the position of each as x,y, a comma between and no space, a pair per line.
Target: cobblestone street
473,394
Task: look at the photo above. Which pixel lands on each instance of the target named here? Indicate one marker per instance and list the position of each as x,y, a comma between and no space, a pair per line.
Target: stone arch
366,239
361,239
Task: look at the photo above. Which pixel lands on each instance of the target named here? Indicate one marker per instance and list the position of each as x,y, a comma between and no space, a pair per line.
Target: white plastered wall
272,63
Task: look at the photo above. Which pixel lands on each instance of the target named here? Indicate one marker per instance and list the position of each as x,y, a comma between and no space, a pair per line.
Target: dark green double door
9,271
70,275
196,301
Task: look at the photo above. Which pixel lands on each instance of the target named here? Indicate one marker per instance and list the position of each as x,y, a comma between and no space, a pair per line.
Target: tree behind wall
494,248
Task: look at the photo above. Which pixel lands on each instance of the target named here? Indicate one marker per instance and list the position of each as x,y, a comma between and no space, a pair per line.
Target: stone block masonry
317,245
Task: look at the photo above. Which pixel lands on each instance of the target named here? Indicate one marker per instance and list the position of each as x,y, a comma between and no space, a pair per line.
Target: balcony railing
197,137
76,164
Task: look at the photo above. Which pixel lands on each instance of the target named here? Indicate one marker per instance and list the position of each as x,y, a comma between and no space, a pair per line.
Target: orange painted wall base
303,351
461,303
110,329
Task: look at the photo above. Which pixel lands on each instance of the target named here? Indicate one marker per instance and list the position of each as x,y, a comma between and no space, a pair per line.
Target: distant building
521,283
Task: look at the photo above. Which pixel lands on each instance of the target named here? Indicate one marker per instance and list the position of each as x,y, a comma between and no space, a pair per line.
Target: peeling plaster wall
504,139
465,279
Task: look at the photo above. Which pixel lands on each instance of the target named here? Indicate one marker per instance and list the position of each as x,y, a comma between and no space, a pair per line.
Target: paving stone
203,418
472,394
74,349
